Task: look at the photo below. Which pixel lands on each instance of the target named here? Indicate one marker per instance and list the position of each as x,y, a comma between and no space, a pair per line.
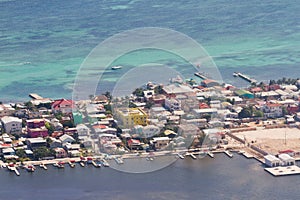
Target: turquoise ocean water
42,44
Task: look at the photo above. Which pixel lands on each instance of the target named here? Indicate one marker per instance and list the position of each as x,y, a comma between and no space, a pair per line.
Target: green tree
108,95
131,105
29,105
21,153
149,104
50,128
245,113
284,111
139,92
158,89
258,113
42,152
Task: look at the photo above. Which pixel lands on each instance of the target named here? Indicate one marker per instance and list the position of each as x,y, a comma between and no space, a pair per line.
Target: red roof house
63,105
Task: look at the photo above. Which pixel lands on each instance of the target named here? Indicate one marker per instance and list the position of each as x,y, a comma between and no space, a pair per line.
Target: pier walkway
245,77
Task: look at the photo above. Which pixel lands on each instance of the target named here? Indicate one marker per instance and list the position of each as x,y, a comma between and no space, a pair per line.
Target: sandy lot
273,140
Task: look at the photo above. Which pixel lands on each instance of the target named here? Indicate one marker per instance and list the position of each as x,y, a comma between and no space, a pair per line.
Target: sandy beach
273,140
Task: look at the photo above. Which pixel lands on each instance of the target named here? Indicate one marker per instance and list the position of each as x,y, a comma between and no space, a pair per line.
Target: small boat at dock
12,168
229,154
89,160
59,165
29,168
119,160
71,163
43,166
210,154
180,156
96,164
81,163
105,163
192,156
116,67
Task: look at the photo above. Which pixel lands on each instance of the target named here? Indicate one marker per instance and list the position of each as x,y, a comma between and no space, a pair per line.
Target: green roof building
77,117
244,94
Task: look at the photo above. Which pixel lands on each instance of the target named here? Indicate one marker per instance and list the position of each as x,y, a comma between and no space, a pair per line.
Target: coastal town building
172,104
286,159
77,118
272,110
36,128
100,99
173,90
62,105
188,129
244,94
272,161
134,144
12,125
82,130
66,139
209,83
132,116
6,110
34,143
160,142
60,153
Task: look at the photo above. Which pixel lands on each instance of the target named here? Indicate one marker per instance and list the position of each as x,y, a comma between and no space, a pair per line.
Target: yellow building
130,117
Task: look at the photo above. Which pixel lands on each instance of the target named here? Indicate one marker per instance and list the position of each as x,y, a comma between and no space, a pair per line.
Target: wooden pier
200,75
229,154
192,156
248,155
43,166
211,154
14,169
180,156
96,164
82,164
245,77
105,163
283,171
119,160
72,164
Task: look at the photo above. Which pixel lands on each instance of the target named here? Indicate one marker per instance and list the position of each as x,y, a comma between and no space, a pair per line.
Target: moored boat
30,168
105,163
116,67
59,165
42,165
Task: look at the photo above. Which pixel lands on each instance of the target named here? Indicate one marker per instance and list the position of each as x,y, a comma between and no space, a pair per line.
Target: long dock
248,155
200,75
245,77
35,96
14,169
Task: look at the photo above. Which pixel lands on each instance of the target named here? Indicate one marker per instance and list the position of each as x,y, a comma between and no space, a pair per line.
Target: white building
82,130
6,110
188,129
286,159
160,142
12,125
146,131
272,161
215,104
66,139
272,110
172,104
